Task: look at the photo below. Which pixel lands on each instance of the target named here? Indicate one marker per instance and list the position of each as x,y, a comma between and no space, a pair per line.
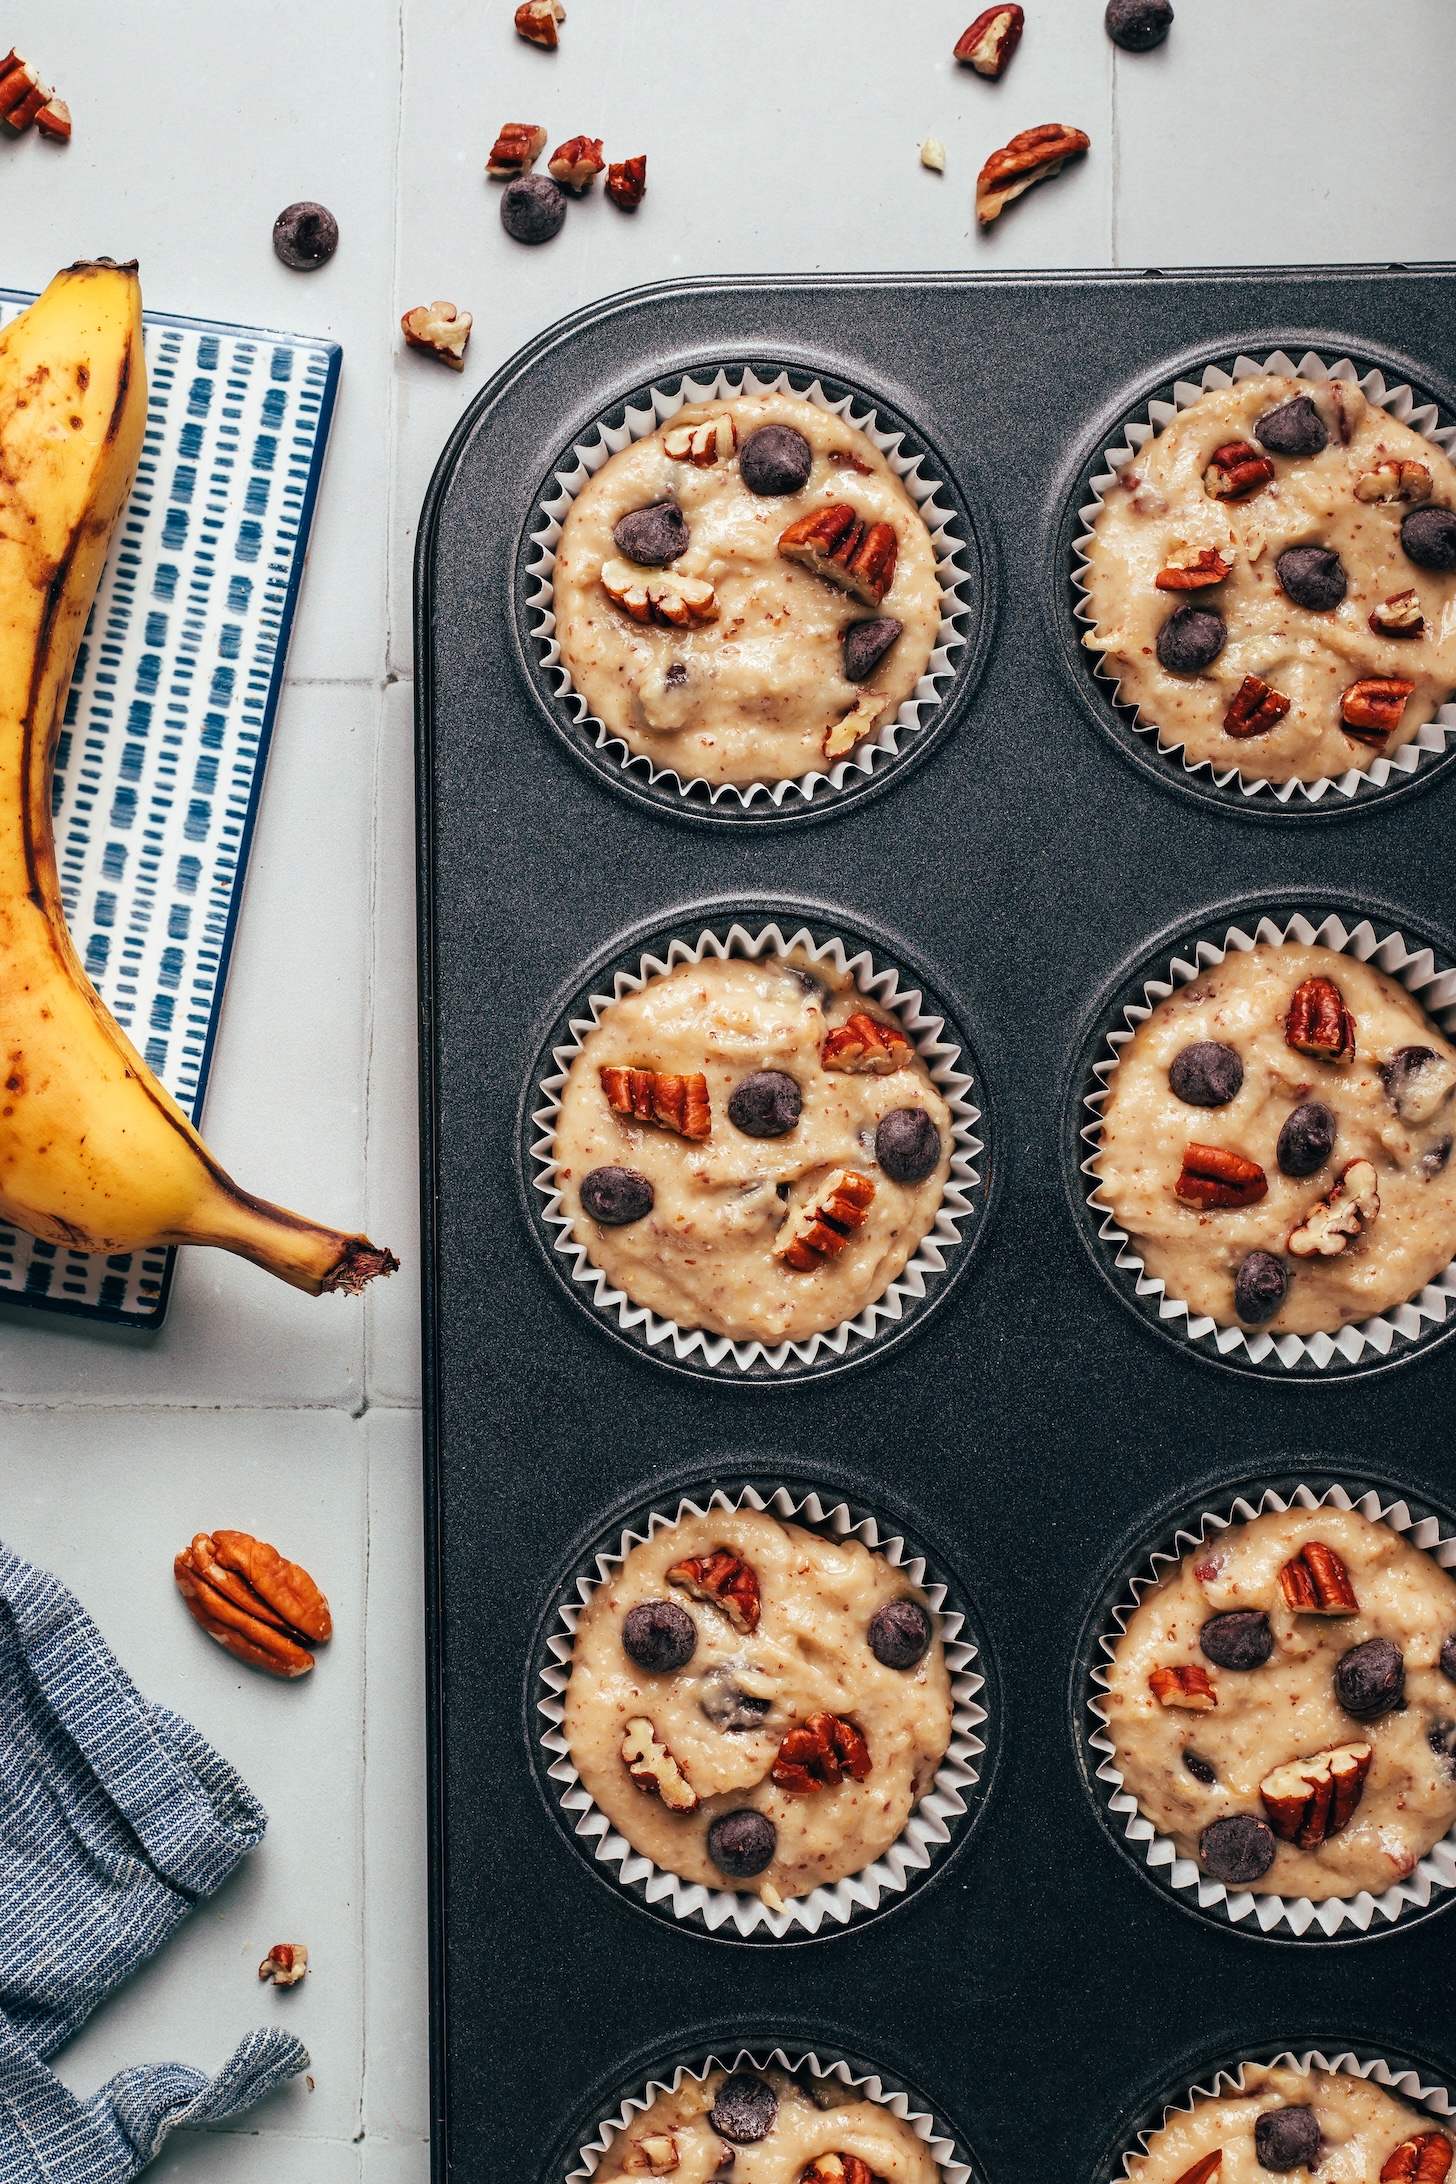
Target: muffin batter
1290,1705
758,688
816,2118
704,1253
1403,1127
1359,2127
1160,514
810,1652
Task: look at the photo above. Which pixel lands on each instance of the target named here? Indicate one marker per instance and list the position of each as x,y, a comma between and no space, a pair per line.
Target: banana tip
358,1264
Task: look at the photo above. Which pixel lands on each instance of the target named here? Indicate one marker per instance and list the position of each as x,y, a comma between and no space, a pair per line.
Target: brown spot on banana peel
123,386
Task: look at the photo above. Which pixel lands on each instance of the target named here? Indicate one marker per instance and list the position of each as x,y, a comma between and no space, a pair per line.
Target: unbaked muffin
769,2128
1347,2129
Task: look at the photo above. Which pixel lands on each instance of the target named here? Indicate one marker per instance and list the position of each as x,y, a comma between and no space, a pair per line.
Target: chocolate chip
1370,1679
907,1144
1295,428
1307,1139
1191,639
1312,576
725,1705
1260,1287
532,208
1138,25
775,459
652,537
659,1636
865,645
745,2108
766,1104
741,1844
899,1634
677,673
1441,1736
616,1196
1237,1850
1448,1657
1429,538
1199,1767
1435,1160
1404,1066
1241,1639
305,236
1287,2138
1206,1074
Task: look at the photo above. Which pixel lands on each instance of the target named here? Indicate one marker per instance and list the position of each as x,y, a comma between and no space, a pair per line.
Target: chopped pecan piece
54,121
703,444
23,97
516,150
840,2168
820,1229
440,328
536,20
576,163
1212,1176
262,1608
987,46
1399,616
867,711
1319,1023
1316,1582
1351,1206
659,1095
1371,708
655,2154
1209,2165
836,544
1395,481
725,1581
932,155
1254,708
820,1754
1311,1799
659,595
1030,157
865,1047
1423,2158
1236,468
1187,1687
285,1963
653,1768
626,183
1209,567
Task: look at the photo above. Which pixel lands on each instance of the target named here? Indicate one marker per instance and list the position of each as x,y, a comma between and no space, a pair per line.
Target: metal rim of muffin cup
1425,1893
1393,1337
1415,763
722,932
880,757
935,1830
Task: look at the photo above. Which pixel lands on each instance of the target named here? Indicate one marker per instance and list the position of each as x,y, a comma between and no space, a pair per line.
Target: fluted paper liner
1433,2098
941,1057
1415,969
1436,1870
590,453
943,2151
1400,401
926,1832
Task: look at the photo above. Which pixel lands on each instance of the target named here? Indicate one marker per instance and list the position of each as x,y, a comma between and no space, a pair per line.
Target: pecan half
1313,1798
516,150
1423,2158
835,543
1254,708
987,46
701,445
1187,1687
840,2168
536,20
867,711
1371,708
659,595
1399,616
1209,567
655,2154
1236,468
626,182
1212,1176
865,1047
1319,1023
653,1768
659,1095
442,329
285,1964
1395,481
1030,157
1316,1582
576,163
820,1229
820,1754
1208,2165
261,1607
725,1581
1329,1225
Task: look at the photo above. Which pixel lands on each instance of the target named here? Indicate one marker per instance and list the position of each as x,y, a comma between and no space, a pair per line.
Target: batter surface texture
1359,2123
830,2119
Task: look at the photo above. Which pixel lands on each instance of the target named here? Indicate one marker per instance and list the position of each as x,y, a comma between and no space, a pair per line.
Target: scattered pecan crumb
1029,158
987,46
442,329
516,150
536,21
627,182
285,1963
576,163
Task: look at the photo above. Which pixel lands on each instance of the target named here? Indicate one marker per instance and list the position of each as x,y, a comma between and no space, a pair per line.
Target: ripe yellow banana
94,1153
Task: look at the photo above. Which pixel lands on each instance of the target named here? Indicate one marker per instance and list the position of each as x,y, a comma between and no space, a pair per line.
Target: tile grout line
1116,166
363,2108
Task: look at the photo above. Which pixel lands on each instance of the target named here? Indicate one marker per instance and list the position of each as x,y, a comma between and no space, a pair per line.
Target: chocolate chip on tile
305,236
767,1104
1199,1767
1313,577
532,208
659,1636
1287,2138
745,2108
1429,538
1260,1287
741,1844
1206,1074
1307,1139
1237,1850
652,537
899,1634
1295,428
1191,639
1138,25
1241,1639
1448,1657
1370,1679
907,1144
865,645
616,1196
775,460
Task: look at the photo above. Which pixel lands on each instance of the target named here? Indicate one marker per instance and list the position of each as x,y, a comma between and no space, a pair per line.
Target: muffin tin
1015,857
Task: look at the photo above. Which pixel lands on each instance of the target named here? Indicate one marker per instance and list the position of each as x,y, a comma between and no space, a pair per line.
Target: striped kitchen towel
116,1819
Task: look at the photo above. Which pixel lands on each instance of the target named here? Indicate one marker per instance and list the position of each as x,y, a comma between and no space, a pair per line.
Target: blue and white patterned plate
161,756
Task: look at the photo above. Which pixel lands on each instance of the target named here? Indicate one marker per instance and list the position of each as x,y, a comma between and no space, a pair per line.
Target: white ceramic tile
259,2156
392,1308
395,2161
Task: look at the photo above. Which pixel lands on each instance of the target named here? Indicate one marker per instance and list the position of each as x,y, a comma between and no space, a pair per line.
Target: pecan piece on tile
836,544
1254,708
285,1964
536,21
988,44
1395,481
260,1607
1311,1799
576,163
1212,1176
867,711
866,1047
54,121
819,1754
1423,2158
1399,616
714,440
839,2168
1186,1686
442,329
1330,1223
653,1768
1370,709
822,1227
663,596
654,2154
1235,469
1030,157
283,1588
725,1581
661,1096
23,97
1319,1023
626,182
1208,2165
516,150
1209,566
1316,1582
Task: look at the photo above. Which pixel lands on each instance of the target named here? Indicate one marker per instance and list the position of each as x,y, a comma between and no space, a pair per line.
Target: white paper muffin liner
1416,970
1432,739
1436,1870
943,2151
941,1057
596,448
1406,2083
926,1832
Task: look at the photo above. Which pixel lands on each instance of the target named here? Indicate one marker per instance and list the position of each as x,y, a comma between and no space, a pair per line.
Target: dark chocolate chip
725,1706
1237,1850
775,460
1191,639
1287,2138
745,2108
766,1104
1307,1139
907,1144
1370,1678
741,1844
659,1636
616,1196
1441,1736
1260,1287
653,536
1206,1074
1448,1657
865,645
899,1634
1241,1639
1295,428
1436,1158
305,236
677,673
1199,1767
1138,25
1429,538
1313,577
1404,1066
532,208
